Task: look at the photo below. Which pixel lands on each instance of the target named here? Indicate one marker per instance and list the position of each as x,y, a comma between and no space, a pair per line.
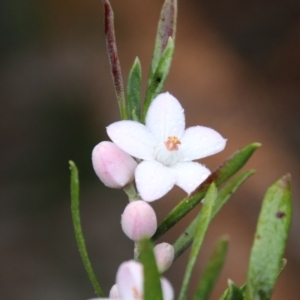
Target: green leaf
219,176
134,91
166,28
186,238
212,270
202,225
152,286
112,51
233,292
78,230
157,81
270,240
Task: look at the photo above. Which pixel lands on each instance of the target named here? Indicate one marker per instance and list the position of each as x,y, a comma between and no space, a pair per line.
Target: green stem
131,192
78,230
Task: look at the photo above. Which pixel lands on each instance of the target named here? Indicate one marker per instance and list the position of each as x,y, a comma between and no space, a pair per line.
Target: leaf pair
160,65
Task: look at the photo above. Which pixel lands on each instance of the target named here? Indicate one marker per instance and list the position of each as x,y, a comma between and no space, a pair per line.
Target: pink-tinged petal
132,137
165,117
130,280
167,289
189,175
199,141
153,180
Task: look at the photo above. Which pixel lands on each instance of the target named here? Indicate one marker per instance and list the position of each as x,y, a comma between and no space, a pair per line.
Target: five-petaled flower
166,148
130,281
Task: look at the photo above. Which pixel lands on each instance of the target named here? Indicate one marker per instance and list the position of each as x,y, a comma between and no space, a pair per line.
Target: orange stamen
172,143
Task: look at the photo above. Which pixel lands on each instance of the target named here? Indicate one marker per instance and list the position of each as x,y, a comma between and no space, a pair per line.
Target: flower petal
199,141
165,117
114,292
130,280
189,175
132,137
153,180
167,289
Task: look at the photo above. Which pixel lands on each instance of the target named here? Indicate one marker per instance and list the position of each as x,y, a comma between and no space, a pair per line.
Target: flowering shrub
151,151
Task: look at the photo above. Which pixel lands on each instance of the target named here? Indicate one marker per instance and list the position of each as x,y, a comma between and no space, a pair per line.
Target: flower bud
114,167
139,220
164,254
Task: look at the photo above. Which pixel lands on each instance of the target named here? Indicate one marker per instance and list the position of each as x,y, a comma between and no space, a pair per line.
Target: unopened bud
139,220
114,167
164,254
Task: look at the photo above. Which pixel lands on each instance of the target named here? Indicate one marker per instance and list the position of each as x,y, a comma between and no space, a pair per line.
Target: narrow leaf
202,225
166,28
233,292
186,238
134,91
78,230
270,240
159,77
212,270
152,285
112,51
219,176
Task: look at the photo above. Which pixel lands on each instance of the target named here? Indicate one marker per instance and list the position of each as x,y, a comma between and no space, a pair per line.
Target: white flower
130,281
166,148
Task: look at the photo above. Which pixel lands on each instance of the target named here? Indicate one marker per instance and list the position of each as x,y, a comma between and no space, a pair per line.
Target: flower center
167,153
172,143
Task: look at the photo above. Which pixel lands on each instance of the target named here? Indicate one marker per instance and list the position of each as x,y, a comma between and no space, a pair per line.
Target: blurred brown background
236,69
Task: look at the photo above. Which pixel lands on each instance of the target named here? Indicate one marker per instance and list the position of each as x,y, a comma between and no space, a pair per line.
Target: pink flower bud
114,167
164,254
139,220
